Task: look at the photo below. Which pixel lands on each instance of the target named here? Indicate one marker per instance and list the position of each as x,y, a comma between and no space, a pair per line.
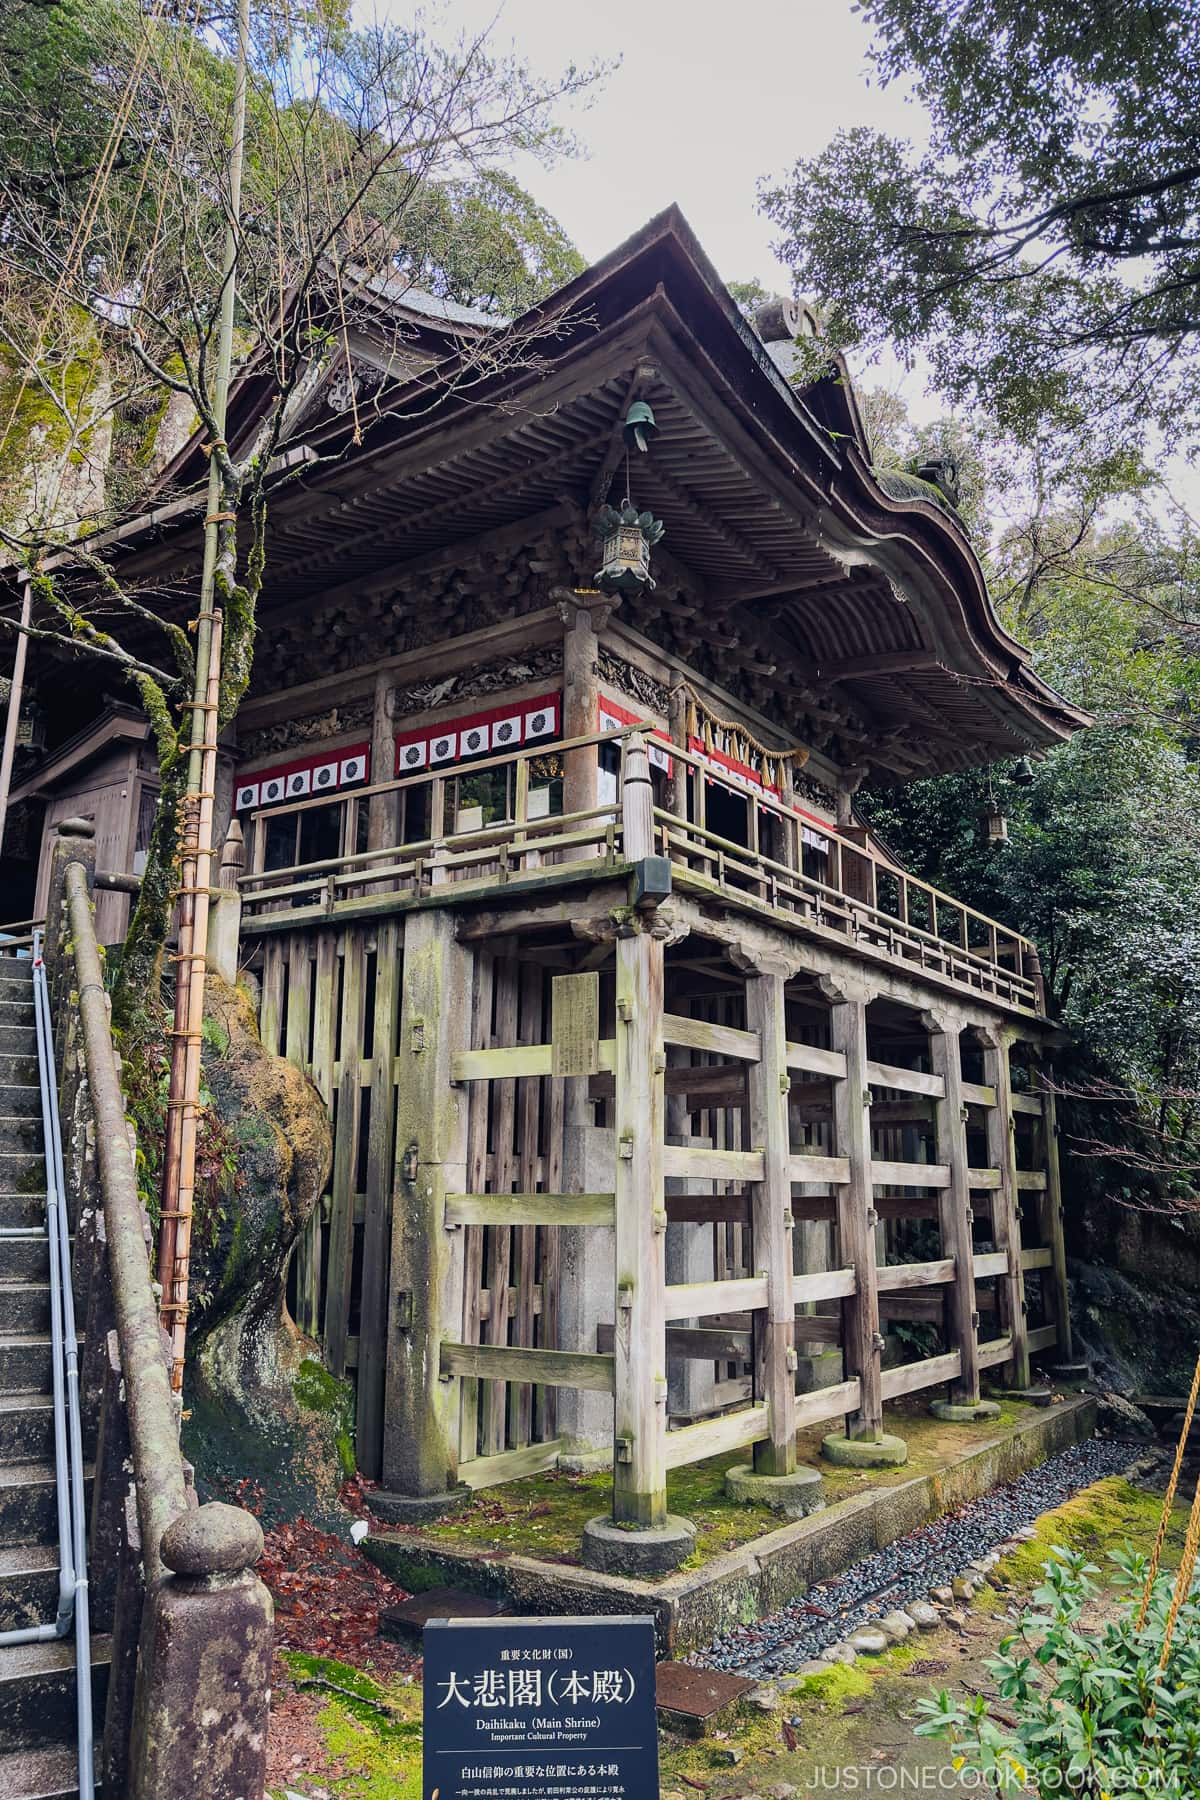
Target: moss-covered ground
847,1727
544,1515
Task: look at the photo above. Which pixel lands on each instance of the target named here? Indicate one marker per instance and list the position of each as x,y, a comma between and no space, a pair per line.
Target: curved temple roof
861,614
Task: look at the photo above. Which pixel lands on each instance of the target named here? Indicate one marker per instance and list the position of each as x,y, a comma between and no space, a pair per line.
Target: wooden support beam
834,1169
719,1040
915,1175
771,1215
420,1433
511,1062
701,1299
549,1368
511,1465
1043,1337
1031,1181
709,1209
1006,1217
995,1350
529,1209
493,1431
855,1211
910,1378
713,1437
908,1081
977,1093
690,1161
990,1264
697,1343
1052,1221
893,1277
824,1284
640,1348
807,1057
954,1202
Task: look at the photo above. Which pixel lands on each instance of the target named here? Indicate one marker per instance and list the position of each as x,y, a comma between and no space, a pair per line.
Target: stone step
22,1207
19,1069
17,1009
25,1363
28,1514
28,1585
26,1427
22,1171
25,1258
20,1098
21,1131
17,1038
37,1693
16,972
40,1775
24,1308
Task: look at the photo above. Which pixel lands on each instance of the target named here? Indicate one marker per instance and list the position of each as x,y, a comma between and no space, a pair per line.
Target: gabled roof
786,561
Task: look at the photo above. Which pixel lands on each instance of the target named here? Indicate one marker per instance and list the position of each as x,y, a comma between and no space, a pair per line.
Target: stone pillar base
615,1549
411,1509
884,1452
795,1495
963,1412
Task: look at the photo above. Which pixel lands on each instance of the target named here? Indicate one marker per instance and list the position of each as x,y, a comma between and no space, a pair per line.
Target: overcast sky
709,96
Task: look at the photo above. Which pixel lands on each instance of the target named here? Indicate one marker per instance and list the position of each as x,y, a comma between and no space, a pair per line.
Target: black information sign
540,1709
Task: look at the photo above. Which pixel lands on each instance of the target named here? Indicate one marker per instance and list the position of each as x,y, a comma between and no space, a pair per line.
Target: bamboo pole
179,1167
15,693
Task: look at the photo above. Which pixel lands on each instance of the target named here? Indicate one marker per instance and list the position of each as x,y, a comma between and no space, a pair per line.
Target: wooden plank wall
330,1004
514,1144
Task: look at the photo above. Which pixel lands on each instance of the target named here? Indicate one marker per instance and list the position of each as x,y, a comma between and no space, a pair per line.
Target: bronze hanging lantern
995,825
628,536
31,726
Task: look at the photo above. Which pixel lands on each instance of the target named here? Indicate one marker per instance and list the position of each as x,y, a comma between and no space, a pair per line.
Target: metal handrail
70,1494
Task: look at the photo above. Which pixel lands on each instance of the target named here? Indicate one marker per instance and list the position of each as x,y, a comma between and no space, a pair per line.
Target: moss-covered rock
262,1406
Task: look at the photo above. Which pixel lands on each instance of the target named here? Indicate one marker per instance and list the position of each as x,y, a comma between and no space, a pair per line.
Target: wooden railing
862,899
172,1583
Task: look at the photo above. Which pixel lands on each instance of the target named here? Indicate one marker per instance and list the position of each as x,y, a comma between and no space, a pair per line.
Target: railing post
75,842
954,1201
204,1663
637,800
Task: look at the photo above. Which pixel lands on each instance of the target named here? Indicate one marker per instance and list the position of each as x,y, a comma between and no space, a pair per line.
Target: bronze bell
640,426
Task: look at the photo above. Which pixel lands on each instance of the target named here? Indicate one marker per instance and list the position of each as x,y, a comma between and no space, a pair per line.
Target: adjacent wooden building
671,1112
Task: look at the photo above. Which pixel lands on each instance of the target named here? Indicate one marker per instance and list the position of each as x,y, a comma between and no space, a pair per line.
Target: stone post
75,842
204,1663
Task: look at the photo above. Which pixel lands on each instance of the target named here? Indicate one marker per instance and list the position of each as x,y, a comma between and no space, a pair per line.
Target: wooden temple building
671,1113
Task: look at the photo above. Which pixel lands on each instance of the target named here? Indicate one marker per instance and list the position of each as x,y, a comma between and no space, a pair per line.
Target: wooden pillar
855,1207
1052,1220
771,1219
581,695
383,810
640,1336
1006,1216
954,1201
420,1427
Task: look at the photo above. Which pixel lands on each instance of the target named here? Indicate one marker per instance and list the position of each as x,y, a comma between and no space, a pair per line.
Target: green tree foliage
1102,866
1042,247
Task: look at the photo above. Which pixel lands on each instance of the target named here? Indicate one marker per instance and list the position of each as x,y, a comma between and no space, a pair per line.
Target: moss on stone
317,1391
836,1688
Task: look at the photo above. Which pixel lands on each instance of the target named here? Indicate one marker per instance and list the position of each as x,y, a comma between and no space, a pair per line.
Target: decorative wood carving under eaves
492,678
355,715
634,682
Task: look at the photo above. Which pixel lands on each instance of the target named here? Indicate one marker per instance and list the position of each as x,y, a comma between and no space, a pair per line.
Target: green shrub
1091,1714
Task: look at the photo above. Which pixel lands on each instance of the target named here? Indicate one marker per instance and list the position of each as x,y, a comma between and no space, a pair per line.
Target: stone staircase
37,1681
